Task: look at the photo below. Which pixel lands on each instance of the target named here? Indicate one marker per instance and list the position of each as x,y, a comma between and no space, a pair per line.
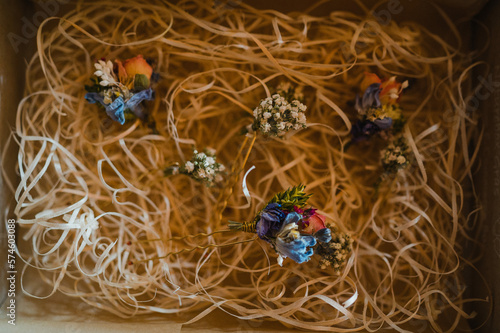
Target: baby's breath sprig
335,252
396,156
202,167
275,116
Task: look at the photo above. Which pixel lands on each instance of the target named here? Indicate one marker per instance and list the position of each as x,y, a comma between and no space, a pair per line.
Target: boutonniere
121,87
378,108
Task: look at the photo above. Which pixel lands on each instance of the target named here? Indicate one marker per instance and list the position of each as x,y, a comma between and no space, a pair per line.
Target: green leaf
294,196
141,82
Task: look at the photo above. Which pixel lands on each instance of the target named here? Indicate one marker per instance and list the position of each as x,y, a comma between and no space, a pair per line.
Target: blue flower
270,222
116,109
323,235
290,243
370,99
133,102
384,123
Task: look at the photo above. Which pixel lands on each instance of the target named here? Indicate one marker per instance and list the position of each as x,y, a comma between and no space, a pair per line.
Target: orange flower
316,223
369,79
389,89
137,65
122,73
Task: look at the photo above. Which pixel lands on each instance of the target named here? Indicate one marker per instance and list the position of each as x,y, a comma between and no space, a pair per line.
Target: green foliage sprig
294,196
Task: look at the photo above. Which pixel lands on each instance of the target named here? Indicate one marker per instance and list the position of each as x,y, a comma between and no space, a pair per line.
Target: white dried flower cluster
396,156
274,116
110,94
335,253
204,167
104,71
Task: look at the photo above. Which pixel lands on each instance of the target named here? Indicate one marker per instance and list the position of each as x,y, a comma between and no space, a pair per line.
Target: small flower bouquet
202,167
121,87
377,109
275,116
396,156
292,229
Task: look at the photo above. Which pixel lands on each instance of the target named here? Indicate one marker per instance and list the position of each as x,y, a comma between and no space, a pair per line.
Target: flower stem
226,192
200,247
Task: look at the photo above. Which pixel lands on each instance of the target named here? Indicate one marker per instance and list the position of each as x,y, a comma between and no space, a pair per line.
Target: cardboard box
17,44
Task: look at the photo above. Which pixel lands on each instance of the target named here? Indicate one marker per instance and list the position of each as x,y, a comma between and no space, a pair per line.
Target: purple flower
370,99
271,219
362,130
383,124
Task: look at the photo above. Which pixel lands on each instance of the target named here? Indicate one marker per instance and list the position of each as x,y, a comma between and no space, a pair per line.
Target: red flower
313,224
298,210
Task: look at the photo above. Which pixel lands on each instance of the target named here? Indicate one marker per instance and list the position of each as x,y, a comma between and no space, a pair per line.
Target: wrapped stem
243,226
